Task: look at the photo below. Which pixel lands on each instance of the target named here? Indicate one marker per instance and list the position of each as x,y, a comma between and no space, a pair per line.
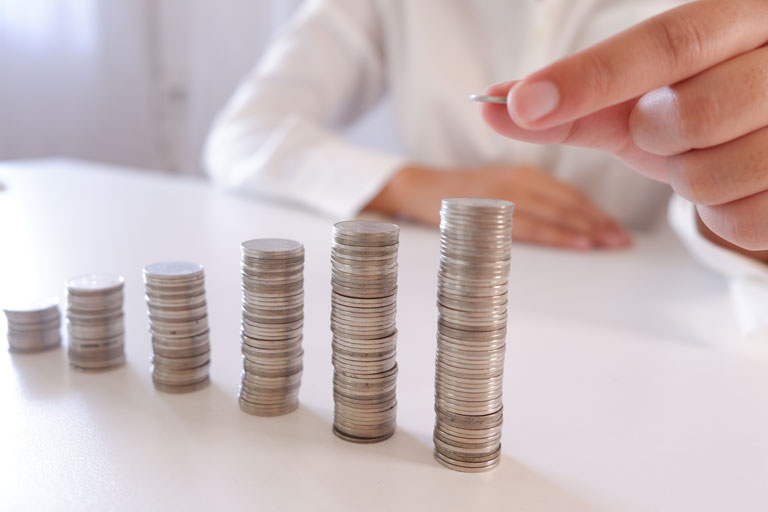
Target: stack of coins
475,238
364,282
35,326
273,318
96,327
178,323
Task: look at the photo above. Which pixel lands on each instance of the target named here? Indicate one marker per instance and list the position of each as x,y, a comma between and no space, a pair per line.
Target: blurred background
133,82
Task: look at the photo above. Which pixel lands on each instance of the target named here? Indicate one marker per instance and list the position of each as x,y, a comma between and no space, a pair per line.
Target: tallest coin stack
475,244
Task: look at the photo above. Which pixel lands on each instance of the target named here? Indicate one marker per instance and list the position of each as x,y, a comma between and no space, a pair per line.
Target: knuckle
682,39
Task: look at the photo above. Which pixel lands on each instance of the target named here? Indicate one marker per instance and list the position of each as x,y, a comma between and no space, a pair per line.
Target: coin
488,99
95,284
178,323
95,321
34,326
272,271
475,245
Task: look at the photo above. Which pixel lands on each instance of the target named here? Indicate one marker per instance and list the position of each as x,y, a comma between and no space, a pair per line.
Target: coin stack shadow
34,327
363,311
475,244
95,321
178,323
273,317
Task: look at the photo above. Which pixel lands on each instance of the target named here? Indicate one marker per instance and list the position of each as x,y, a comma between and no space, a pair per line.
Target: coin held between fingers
502,100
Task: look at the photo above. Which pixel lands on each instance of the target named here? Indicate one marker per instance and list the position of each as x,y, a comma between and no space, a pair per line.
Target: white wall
133,82
73,80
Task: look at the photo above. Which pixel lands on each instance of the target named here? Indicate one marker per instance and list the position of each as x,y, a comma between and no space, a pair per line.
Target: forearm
278,135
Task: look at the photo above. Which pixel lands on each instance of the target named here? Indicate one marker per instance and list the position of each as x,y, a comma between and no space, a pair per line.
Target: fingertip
495,114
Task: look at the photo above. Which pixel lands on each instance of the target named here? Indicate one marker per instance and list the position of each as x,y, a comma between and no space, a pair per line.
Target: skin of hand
712,237
547,211
681,98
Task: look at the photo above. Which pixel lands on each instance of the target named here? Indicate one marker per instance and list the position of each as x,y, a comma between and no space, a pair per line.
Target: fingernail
534,101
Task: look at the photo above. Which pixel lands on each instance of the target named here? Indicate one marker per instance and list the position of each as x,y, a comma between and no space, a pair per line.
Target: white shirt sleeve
275,136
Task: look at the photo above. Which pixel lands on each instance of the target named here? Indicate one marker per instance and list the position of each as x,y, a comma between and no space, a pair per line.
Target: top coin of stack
364,282
96,327
178,321
475,244
35,326
273,318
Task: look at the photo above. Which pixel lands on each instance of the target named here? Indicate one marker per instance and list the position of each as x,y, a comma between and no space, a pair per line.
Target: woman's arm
275,136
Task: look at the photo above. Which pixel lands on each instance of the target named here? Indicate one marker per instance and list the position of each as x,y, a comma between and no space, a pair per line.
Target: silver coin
260,410
51,325
40,314
181,388
356,229
171,270
488,99
281,344
179,377
278,248
95,284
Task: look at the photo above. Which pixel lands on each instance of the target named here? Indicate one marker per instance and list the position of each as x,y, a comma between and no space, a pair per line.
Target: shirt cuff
304,164
341,178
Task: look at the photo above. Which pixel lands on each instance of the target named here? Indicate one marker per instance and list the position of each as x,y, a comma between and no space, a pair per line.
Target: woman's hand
682,97
547,211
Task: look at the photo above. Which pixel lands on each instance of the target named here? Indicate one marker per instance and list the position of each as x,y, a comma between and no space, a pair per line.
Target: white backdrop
133,82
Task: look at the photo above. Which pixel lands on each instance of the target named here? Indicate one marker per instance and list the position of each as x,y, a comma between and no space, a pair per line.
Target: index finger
659,51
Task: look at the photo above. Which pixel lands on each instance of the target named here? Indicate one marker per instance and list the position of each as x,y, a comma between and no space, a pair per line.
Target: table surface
627,385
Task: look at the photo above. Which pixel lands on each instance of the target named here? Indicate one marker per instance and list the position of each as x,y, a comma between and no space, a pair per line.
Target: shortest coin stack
35,326
178,321
273,317
96,327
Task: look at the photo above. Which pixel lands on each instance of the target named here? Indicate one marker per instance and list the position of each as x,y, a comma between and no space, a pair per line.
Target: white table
627,385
